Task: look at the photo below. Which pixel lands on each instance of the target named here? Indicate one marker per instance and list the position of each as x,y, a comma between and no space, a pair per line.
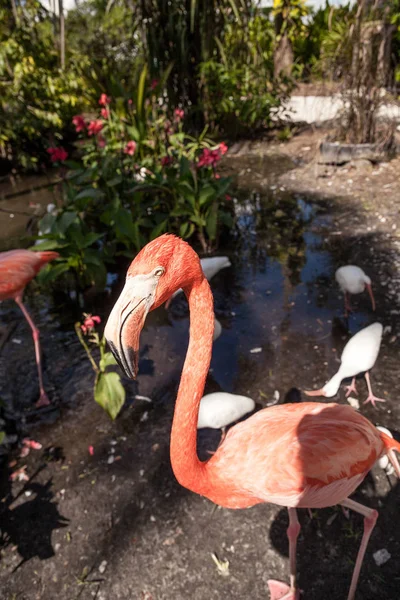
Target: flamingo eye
159,271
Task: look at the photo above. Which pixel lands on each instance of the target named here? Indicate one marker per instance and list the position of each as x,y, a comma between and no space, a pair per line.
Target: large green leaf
206,194
109,393
47,245
212,222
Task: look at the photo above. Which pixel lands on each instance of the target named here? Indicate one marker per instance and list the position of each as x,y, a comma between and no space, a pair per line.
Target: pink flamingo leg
43,399
371,398
370,517
347,307
351,388
277,589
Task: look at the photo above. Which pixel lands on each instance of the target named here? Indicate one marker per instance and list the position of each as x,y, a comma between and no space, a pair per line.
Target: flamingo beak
127,318
371,294
320,392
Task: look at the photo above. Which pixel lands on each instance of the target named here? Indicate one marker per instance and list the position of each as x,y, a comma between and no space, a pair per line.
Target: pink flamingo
17,268
307,455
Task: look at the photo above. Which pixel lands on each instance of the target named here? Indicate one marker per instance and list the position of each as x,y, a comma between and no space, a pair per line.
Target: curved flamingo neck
187,467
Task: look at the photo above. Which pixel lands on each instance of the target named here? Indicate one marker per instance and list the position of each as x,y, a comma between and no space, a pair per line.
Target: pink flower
79,123
154,84
57,154
130,148
101,142
223,148
91,450
32,444
228,197
130,101
104,100
209,158
105,113
165,161
90,323
95,127
217,176
179,114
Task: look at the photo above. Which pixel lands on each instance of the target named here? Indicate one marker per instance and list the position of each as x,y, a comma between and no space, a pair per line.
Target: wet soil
116,525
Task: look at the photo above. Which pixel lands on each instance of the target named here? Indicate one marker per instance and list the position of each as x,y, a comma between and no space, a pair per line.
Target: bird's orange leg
370,517
371,398
277,589
43,399
351,388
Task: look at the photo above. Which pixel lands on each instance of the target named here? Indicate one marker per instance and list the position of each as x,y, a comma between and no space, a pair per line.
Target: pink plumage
17,269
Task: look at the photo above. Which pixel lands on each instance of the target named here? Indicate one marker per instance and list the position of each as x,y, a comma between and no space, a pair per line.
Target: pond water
277,304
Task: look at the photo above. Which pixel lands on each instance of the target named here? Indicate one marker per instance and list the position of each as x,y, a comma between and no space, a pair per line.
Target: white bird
384,461
353,280
217,329
220,409
211,266
358,356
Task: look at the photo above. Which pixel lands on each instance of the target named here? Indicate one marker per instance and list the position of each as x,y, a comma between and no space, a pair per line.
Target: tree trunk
62,34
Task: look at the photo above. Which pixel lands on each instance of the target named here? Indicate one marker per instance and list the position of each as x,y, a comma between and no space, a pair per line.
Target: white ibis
386,460
353,280
358,356
211,266
220,409
217,329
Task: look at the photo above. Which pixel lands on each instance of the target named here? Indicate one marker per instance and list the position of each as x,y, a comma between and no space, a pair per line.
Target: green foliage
37,100
240,93
140,175
108,389
81,253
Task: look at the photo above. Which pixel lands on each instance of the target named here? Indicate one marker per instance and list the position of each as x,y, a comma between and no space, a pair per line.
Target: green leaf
92,193
107,361
183,229
115,181
140,94
90,238
109,393
212,222
50,273
206,194
2,436
158,229
65,221
47,245
200,221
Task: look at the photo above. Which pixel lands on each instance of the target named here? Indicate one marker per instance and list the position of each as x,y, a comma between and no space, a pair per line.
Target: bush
139,175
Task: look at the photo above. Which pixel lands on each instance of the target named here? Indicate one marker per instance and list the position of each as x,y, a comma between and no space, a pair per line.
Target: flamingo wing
17,268
307,454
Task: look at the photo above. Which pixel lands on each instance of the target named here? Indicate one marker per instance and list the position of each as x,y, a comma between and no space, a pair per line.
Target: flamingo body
17,269
296,455
309,455
220,409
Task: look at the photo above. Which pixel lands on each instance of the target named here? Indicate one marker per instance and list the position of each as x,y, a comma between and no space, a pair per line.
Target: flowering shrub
108,389
140,175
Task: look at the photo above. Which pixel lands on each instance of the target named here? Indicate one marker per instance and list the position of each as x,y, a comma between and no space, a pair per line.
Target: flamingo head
161,267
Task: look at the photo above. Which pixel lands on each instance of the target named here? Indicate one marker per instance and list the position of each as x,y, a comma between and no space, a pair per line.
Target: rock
381,557
102,566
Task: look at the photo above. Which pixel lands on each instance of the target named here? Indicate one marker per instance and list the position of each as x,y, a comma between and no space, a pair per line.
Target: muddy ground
116,525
